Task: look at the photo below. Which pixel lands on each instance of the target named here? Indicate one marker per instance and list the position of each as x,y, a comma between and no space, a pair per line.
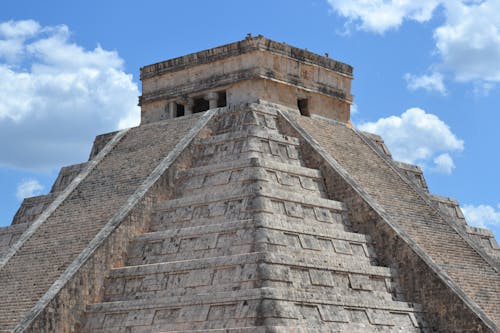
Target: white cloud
432,82
381,15
467,40
444,163
418,137
19,29
55,96
482,216
28,188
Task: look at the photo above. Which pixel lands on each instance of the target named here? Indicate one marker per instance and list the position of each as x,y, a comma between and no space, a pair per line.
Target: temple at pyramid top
253,69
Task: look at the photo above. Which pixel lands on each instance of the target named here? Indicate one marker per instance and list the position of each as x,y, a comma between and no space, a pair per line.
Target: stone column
212,98
172,109
188,107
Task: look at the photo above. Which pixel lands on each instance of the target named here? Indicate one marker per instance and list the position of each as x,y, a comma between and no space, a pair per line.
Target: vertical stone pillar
212,98
172,109
188,107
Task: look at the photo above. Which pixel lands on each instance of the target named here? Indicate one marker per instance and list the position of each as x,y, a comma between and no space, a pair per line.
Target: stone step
244,204
262,143
237,121
407,220
256,132
238,237
241,308
310,328
232,174
331,274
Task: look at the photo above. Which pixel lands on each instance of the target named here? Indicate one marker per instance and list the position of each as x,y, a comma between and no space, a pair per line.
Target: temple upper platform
253,69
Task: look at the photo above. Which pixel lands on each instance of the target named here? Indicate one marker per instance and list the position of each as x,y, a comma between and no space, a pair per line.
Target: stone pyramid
245,202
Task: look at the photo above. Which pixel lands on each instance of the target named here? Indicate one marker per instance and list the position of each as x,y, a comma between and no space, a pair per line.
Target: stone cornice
217,81
244,46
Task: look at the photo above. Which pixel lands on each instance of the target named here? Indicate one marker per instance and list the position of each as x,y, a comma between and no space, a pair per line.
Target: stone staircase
398,210
251,243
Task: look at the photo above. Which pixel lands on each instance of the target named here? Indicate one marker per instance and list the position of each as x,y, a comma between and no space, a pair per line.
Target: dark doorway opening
200,105
303,106
222,99
179,110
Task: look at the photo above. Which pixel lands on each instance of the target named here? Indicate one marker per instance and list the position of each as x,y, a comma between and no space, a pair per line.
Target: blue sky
426,78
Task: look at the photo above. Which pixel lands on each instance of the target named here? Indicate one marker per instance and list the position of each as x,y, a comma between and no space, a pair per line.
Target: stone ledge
264,220
250,191
408,166
253,132
225,80
251,163
327,263
479,231
264,293
443,199
245,46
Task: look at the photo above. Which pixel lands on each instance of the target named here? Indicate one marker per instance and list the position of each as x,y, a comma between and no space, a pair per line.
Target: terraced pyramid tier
251,242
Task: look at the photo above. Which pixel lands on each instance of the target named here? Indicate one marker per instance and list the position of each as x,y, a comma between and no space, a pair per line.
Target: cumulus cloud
482,216
444,163
418,137
432,82
382,15
467,40
28,188
55,96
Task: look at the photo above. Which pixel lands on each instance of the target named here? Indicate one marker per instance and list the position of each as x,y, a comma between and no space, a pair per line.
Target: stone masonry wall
397,199
65,312
250,239
9,235
80,217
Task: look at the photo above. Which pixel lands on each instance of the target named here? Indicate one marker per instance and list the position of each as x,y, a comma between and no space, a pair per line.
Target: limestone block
379,317
321,278
360,282
309,242
342,246
333,313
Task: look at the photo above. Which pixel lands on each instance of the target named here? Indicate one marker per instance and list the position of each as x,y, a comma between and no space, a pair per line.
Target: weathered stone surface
32,207
81,216
250,217
483,238
252,229
428,232
10,234
66,175
246,71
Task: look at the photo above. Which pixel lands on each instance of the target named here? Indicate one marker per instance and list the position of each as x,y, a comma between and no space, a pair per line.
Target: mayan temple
245,202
